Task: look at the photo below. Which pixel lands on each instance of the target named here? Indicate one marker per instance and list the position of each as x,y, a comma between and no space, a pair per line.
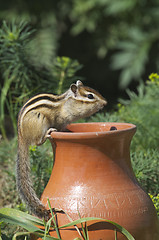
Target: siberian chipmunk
41,115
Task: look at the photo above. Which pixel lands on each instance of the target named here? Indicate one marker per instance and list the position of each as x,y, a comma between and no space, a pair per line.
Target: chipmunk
41,115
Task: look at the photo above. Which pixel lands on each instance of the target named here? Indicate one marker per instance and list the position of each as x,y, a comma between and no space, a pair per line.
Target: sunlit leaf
20,218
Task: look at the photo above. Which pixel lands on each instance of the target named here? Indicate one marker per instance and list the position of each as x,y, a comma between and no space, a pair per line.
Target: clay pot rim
121,128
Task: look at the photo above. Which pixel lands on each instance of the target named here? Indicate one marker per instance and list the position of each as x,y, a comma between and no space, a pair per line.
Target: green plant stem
4,92
115,234
62,78
85,233
20,234
54,221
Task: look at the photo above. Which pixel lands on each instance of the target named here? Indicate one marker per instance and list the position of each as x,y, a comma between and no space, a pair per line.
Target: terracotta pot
92,174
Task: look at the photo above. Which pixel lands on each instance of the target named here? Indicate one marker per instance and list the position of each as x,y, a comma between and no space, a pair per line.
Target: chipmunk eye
90,96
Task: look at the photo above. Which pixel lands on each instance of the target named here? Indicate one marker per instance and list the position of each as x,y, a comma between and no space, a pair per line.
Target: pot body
92,175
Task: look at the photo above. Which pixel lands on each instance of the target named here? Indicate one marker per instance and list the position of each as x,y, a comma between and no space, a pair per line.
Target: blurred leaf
42,48
115,7
132,56
20,218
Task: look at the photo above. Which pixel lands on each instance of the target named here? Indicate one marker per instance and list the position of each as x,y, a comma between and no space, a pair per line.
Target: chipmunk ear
79,83
73,88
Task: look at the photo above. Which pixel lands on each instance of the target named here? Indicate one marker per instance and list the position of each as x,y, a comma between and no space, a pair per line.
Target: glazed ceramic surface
92,175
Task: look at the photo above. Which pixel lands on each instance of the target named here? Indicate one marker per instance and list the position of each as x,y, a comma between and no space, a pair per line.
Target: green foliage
64,71
155,200
146,168
132,55
8,193
7,173
43,46
128,27
15,63
143,111
105,117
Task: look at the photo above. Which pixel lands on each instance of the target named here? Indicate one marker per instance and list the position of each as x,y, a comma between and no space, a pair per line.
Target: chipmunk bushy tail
24,184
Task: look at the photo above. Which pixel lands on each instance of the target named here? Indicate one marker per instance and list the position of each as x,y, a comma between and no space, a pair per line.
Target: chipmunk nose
104,103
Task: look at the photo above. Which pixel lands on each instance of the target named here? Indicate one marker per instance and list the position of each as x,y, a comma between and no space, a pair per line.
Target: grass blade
54,221
77,229
88,219
115,234
83,229
86,231
20,218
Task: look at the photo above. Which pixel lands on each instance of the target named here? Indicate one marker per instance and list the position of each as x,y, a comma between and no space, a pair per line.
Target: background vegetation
116,41
112,44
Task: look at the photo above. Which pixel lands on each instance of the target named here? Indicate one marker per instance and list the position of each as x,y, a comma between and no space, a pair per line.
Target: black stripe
41,106
44,97
40,98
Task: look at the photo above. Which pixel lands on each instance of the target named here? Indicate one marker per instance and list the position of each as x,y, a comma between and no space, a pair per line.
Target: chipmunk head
86,100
